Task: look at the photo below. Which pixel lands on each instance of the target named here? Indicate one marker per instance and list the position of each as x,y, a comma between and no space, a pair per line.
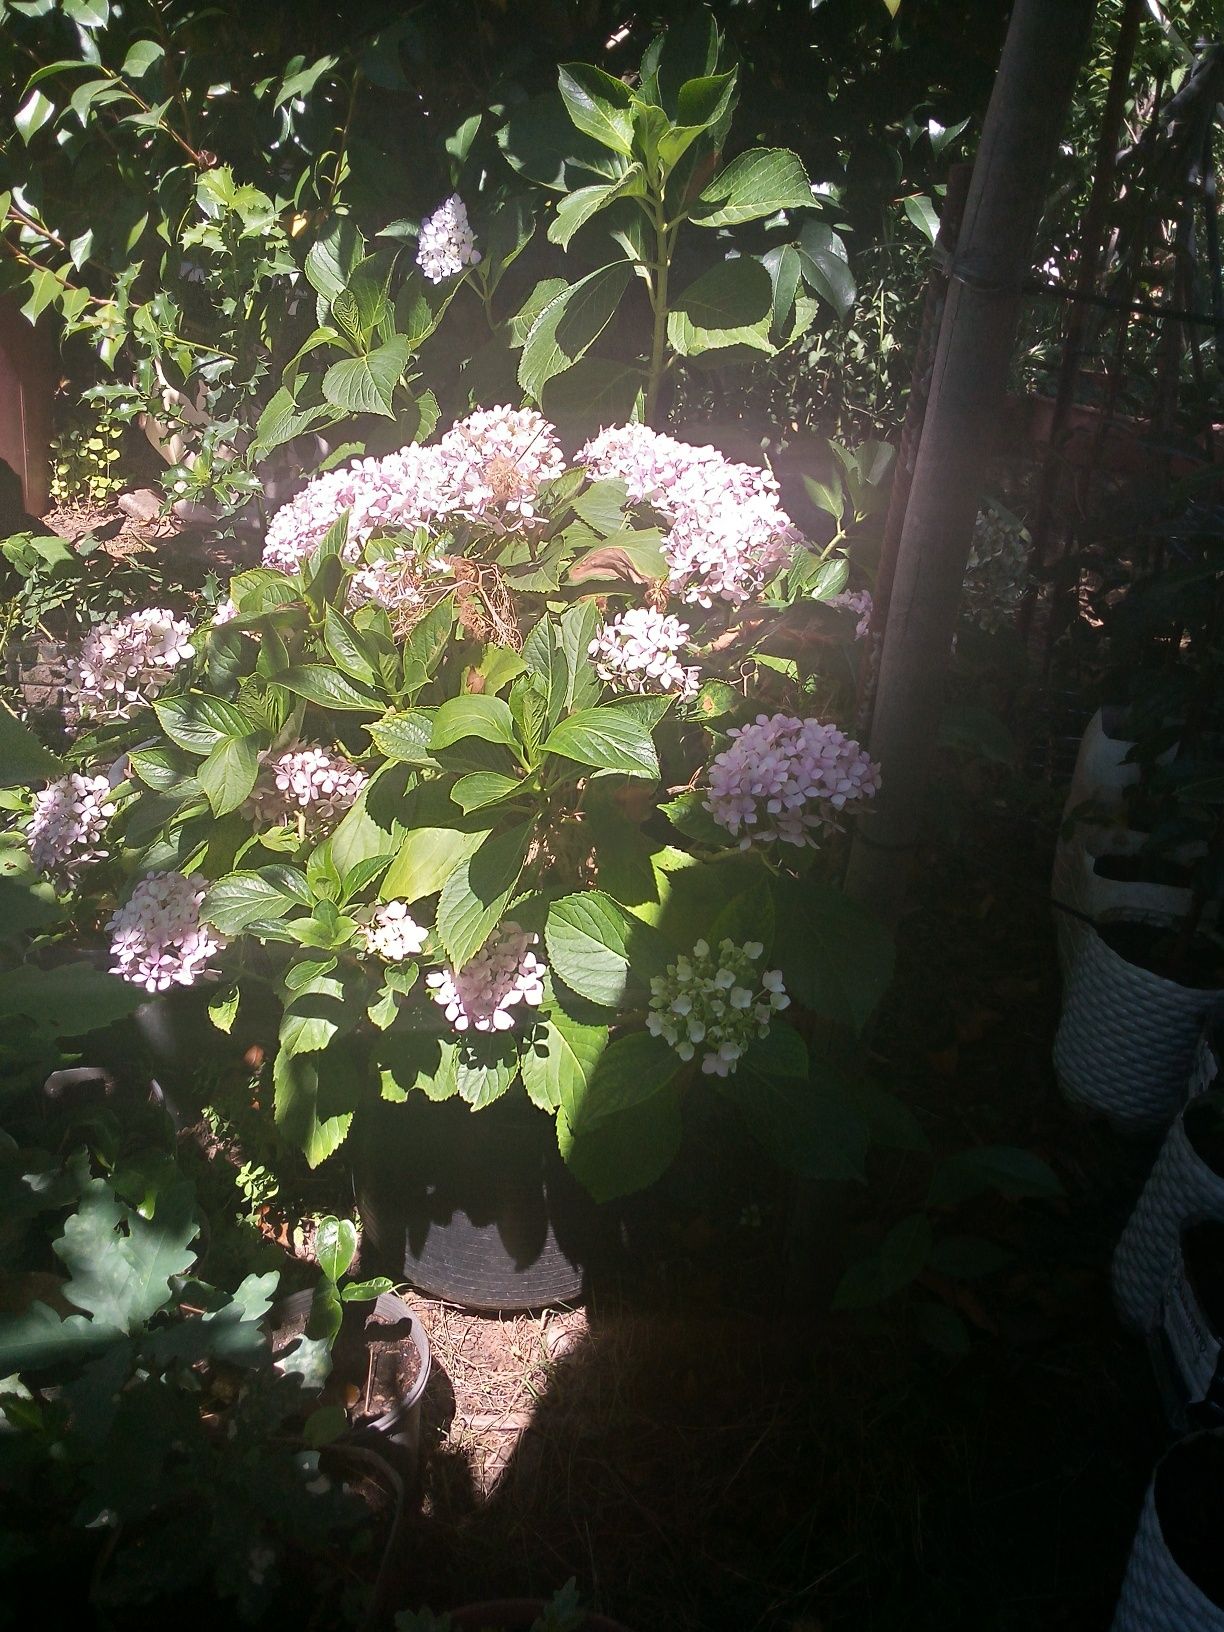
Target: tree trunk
1027,111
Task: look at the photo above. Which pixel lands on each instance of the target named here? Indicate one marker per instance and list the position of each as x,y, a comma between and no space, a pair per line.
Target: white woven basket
1157,1595
1100,770
1126,1039
1181,1189
1206,1067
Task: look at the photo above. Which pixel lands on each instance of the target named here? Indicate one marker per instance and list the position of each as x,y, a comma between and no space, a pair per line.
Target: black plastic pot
477,1209
401,1426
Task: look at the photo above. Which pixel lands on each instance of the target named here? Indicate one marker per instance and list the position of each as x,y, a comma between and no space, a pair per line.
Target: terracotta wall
28,372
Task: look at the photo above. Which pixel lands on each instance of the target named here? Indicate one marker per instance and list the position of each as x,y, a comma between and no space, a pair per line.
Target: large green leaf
599,106
411,1061
570,324
701,103
405,737
366,385
69,1000
540,141
23,759
557,1060
806,1122
244,898
1005,1168
577,208
488,718
485,1067
475,895
600,950
119,1263
198,723
629,1070
609,738
756,184
428,857
626,1151
333,259
38,1337
836,959
825,268
320,683
896,1263
228,773
730,305
310,1091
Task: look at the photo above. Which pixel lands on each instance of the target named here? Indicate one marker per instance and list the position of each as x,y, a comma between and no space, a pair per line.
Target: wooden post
1028,108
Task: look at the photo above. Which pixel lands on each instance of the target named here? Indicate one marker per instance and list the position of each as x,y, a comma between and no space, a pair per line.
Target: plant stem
658,299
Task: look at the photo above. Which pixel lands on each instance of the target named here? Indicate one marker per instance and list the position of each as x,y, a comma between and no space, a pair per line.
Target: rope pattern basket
1157,1595
1126,1039
1099,769
1180,1189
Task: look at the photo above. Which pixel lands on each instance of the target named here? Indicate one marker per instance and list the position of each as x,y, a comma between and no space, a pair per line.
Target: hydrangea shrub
440,783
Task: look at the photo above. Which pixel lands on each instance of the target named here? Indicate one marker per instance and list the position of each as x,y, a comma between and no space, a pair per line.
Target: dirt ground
705,1449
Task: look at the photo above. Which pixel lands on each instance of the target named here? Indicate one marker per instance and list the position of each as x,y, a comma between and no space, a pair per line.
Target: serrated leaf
836,959
476,894
319,683
198,723
626,1151
897,1262
758,183
483,788
23,759
730,305
335,1245
488,718
366,385
609,738
557,1060
569,325
598,105
228,773
629,1070
599,949
825,268
405,737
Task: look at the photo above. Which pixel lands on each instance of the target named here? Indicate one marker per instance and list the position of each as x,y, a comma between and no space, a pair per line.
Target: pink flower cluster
392,934
70,817
157,939
783,778
638,652
488,467
446,244
483,994
304,779
858,601
729,533
130,659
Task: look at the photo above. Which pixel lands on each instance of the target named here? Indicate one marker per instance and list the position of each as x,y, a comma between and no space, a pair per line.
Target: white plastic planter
1180,1189
1157,1594
1101,771
1126,1039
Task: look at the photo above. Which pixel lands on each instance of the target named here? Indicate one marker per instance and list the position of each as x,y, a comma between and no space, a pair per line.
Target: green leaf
37,1337
483,788
577,208
223,1009
415,1062
609,738
899,1260
319,683
332,260
431,852
803,1120
142,55
485,1067
119,1263
730,305
626,1151
942,1328
570,324
228,773
244,898
557,1060
757,183
700,104
198,723
687,813
541,143
629,1070
475,895
488,718
69,1000
1004,1168
366,385
597,391
836,959
823,262
976,730
968,1257
335,1246
33,114
405,737
923,214
307,1088
600,950
348,647
599,106
23,759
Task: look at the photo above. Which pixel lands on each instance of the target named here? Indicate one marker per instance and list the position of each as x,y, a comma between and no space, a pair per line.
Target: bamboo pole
1027,112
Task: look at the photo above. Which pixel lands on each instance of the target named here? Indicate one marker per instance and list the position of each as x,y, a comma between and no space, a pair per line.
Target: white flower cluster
483,994
305,779
715,1001
446,244
638,652
496,462
70,817
489,466
859,602
157,939
729,533
392,934
129,659
782,778
996,573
